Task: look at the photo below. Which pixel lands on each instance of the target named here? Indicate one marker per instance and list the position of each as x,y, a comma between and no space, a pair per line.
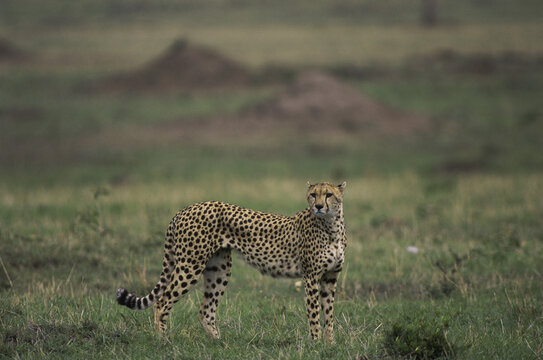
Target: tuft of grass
419,335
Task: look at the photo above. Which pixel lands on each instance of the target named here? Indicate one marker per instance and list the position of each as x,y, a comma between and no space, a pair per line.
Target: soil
446,61
184,67
451,61
11,53
317,102
314,106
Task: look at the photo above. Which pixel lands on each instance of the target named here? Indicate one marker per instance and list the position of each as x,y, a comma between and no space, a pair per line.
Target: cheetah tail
134,302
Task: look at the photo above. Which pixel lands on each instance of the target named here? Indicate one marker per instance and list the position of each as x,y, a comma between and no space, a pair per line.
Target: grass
479,242
130,46
83,210
60,13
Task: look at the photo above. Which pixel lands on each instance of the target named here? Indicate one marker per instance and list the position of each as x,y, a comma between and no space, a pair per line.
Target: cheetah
200,239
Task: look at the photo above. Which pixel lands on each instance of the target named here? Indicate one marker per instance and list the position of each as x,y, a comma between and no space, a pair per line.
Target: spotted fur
200,239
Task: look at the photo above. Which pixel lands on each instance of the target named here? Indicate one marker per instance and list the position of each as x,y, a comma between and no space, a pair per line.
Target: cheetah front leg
216,275
328,290
312,306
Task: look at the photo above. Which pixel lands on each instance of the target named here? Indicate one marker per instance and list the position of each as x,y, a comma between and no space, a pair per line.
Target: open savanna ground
476,277
443,207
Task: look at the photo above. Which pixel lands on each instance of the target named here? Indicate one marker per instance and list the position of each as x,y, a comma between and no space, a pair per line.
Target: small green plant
93,217
450,280
418,336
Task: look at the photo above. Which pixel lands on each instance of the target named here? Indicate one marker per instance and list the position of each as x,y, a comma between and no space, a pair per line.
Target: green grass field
86,193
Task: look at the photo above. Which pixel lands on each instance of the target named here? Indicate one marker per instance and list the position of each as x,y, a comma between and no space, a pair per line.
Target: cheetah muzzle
201,237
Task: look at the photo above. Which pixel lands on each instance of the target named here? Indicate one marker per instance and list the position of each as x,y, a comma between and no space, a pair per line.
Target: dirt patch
317,102
452,61
448,60
11,53
17,114
183,67
315,105
460,166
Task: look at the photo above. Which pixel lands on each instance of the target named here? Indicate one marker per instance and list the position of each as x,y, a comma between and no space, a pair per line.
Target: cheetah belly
271,247
280,266
335,255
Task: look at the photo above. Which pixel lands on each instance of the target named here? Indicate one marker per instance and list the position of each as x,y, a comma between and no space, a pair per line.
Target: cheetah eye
313,194
328,195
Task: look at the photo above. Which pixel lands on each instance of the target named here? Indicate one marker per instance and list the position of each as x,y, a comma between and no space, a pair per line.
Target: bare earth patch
314,104
183,67
9,52
317,102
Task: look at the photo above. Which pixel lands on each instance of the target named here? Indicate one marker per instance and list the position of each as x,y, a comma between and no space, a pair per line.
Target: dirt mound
9,52
315,106
318,102
183,67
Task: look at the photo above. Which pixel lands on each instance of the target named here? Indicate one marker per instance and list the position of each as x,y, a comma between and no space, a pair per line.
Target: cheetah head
325,199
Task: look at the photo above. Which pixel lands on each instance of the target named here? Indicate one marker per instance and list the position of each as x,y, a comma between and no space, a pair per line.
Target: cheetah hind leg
157,310
216,275
187,277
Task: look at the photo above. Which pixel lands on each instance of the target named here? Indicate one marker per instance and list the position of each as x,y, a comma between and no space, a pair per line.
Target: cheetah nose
319,206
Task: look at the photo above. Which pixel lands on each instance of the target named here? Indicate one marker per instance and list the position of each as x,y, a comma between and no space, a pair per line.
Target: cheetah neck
334,226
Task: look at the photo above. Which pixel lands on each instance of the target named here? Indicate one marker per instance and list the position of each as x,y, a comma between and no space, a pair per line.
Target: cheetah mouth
320,212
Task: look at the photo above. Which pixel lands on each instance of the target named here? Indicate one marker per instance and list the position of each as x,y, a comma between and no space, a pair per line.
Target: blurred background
121,90
114,114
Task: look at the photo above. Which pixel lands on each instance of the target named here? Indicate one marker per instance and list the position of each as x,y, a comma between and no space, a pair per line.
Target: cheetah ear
308,184
342,186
